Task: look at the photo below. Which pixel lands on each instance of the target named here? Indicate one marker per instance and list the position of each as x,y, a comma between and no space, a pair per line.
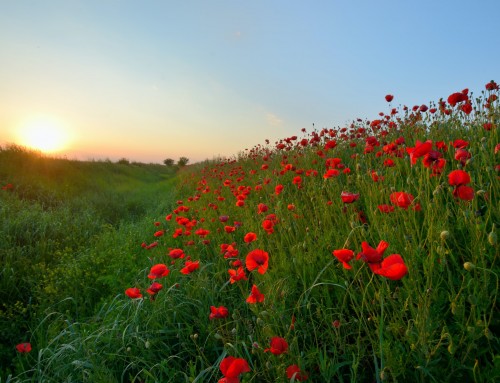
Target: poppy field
366,253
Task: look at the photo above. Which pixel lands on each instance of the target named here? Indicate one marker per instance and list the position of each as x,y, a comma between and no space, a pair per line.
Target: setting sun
45,135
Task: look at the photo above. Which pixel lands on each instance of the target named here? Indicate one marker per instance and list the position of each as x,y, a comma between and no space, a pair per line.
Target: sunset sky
147,80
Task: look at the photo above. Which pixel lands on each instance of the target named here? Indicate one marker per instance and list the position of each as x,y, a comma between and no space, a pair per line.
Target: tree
182,161
168,162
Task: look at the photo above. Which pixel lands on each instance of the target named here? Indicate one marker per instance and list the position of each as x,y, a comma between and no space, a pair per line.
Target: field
367,253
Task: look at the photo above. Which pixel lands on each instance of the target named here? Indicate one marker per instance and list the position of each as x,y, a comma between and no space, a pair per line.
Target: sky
150,80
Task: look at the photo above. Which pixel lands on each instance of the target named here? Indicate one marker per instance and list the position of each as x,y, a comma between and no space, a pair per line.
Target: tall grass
435,320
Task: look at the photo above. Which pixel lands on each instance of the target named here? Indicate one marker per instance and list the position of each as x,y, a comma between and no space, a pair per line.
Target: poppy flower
23,348
250,237
455,98
255,295
268,225
463,192
392,267
278,346
218,312
232,368
229,229
348,197
154,288
331,173
189,267
389,97
278,189
237,275
293,371
370,255
403,200
257,259
133,292
262,208
458,177
386,208
158,271
344,256
462,155
420,150
159,233
176,253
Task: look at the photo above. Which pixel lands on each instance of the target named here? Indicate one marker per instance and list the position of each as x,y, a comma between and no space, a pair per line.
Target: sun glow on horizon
44,134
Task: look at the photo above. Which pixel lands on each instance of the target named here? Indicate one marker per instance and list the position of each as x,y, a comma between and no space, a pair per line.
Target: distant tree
123,161
169,162
182,161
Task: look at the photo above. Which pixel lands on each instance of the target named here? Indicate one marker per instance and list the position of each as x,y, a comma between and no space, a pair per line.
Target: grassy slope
70,233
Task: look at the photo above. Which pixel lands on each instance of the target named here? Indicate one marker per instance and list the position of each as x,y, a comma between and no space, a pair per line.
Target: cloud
273,120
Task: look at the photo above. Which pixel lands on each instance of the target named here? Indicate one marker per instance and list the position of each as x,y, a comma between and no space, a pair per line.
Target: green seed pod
445,234
469,266
492,237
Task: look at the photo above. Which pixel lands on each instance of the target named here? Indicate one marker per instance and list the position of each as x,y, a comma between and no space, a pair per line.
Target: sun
46,135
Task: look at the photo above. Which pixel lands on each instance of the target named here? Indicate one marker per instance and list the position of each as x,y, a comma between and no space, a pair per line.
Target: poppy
278,346
370,255
154,288
458,177
133,292
218,312
176,253
189,267
255,295
257,259
455,98
232,368
261,208
420,150
158,271
237,275
278,189
294,372
159,233
386,208
463,192
392,267
23,348
344,256
348,197
403,200
250,237
389,97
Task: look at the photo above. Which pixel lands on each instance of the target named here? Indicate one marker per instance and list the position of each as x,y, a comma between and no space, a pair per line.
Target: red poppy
218,312
278,346
420,150
392,267
189,267
229,229
372,256
278,189
293,371
348,197
257,259
492,85
255,295
154,288
202,233
176,253
159,233
344,256
403,200
23,348
465,193
458,177
462,155
237,275
133,292
250,237
268,226
466,108
331,173
386,208
232,368
389,97
158,271
455,98
261,208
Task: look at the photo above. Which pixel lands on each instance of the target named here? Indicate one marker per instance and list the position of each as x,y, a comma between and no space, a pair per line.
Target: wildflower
278,189
278,346
386,208
389,97
420,150
463,192
23,348
344,256
237,275
458,177
176,253
392,267
133,292
232,368
158,271
261,208
257,259
403,200
348,197
372,256
159,233
250,237
189,267
294,372
154,288
255,295
218,312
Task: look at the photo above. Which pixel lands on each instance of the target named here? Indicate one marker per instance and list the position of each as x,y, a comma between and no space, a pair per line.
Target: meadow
366,253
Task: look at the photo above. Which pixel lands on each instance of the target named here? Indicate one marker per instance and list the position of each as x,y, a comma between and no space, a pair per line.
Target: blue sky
147,80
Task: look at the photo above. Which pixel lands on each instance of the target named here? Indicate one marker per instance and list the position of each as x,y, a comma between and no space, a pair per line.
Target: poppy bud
444,235
469,266
492,237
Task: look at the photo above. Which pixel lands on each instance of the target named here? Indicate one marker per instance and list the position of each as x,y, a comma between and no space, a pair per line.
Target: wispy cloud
273,119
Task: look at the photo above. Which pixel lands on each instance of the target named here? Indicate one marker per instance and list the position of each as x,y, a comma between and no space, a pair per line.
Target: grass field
367,253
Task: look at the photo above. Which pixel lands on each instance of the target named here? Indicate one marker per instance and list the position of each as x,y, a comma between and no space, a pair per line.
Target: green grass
437,323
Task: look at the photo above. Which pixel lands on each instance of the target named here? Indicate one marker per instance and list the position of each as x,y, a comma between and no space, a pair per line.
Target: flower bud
444,235
469,266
